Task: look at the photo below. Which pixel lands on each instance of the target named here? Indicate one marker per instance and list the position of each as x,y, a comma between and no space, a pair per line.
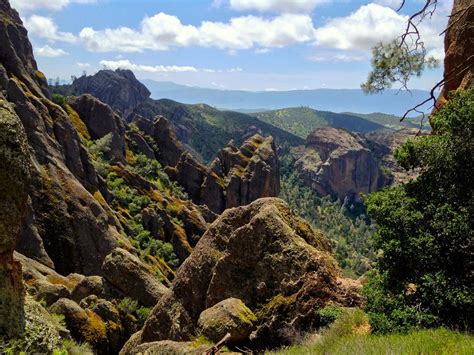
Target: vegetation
301,121
129,202
131,307
425,230
395,62
349,232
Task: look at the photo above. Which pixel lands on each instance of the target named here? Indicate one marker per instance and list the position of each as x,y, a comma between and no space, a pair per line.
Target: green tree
424,275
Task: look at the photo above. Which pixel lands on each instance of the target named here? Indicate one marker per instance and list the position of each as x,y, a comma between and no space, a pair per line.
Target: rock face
132,277
459,50
263,255
63,217
339,163
383,146
101,120
14,179
119,89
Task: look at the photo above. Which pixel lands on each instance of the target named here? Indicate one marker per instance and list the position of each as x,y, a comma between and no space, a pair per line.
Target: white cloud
54,5
283,6
126,64
47,51
338,58
372,23
362,29
162,32
44,27
393,4
83,65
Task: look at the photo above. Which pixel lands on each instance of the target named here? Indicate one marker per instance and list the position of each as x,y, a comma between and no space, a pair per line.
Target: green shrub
128,305
143,313
329,314
425,230
59,99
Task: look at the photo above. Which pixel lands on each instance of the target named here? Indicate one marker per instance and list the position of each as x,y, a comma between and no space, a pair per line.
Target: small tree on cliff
405,57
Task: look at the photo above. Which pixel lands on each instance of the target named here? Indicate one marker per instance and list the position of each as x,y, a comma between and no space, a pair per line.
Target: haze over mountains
336,100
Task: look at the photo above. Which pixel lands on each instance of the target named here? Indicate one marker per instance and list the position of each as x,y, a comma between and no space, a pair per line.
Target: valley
145,217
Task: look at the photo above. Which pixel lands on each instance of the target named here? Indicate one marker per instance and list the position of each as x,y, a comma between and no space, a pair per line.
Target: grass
350,334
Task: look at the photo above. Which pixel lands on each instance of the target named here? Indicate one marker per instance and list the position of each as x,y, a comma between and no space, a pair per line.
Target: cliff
339,163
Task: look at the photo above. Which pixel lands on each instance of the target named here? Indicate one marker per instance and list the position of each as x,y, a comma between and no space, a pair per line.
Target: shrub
425,230
329,314
128,305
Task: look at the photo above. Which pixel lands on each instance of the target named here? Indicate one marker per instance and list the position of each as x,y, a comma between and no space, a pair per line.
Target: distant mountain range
335,100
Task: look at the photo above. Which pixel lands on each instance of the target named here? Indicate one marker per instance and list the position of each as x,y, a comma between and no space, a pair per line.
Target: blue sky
228,44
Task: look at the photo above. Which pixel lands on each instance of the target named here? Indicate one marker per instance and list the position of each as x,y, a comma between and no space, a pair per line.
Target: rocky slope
339,163
264,256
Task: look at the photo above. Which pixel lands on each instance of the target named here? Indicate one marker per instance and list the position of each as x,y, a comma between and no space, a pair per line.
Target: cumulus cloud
283,6
47,51
83,65
373,23
362,29
54,5
163,31
44,27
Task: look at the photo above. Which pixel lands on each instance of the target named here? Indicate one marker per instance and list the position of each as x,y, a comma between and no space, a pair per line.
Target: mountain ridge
336,100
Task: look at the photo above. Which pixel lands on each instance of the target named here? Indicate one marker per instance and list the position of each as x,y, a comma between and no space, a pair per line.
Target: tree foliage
425,230
393,62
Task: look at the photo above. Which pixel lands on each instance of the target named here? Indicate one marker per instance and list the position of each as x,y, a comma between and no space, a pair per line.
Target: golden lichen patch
60,280
39,74
99,198
95,330
78,124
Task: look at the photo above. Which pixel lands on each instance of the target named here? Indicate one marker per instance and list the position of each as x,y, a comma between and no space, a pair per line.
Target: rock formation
339,163
263,255
383,146
119,89
237,176
14,176
459,50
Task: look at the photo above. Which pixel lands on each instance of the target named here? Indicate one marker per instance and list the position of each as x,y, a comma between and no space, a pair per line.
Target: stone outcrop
127,273
101,120
339,163
14,179
459,50
265,256
118,89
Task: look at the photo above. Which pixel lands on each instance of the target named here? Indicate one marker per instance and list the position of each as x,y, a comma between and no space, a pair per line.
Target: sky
253,45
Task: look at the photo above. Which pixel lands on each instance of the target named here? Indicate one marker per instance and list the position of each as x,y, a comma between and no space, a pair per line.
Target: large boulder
265,256
14,179
228,316
339,163
127,273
